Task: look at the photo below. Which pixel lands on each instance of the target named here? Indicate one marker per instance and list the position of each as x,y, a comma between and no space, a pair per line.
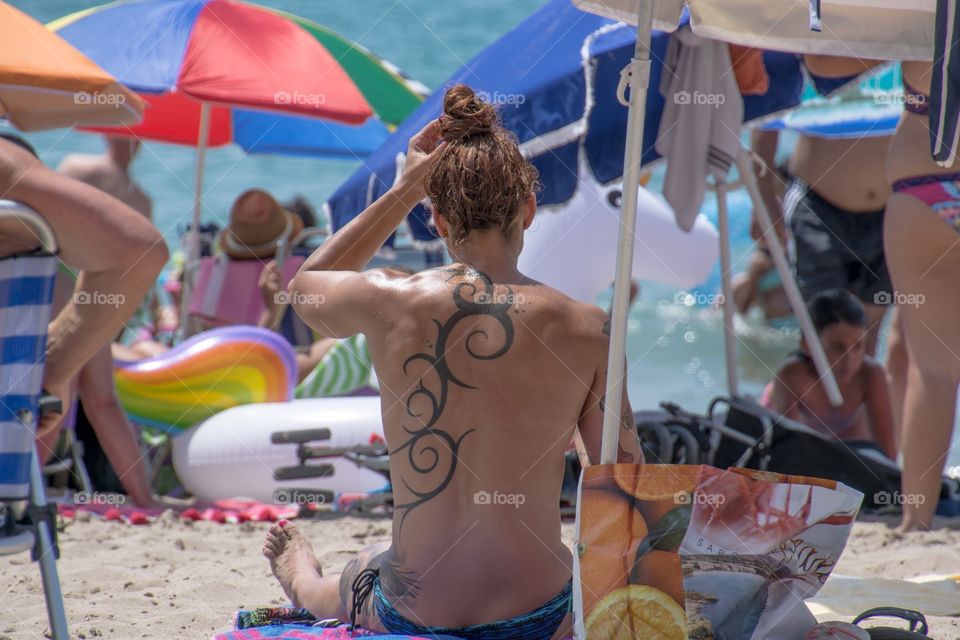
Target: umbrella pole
726,286
193,238
790,287
637,76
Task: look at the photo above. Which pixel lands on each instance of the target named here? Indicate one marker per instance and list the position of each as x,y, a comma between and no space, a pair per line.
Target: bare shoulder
793,373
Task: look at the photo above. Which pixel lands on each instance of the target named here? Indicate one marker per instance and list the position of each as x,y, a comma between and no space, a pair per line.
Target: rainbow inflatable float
205,375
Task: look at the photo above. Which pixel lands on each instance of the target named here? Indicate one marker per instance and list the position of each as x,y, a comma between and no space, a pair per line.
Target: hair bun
465,114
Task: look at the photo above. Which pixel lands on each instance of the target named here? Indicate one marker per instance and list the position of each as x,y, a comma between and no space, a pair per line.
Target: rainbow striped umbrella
248,63
219,71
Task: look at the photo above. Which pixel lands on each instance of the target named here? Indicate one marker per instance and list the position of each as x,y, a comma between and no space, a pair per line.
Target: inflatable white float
231,454
573,247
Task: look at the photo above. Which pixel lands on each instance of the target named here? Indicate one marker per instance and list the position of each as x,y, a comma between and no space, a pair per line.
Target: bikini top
914,101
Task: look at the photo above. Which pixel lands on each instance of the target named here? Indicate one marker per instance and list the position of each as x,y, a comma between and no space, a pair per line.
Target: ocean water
675,352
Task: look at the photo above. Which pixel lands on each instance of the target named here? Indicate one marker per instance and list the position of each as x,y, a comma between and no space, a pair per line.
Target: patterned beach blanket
298,624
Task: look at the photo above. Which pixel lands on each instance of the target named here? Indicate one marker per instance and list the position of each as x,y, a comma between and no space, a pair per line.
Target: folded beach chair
27,522
738,432
226,293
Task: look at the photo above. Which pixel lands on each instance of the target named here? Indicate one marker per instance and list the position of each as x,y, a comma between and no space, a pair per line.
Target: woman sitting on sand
798,393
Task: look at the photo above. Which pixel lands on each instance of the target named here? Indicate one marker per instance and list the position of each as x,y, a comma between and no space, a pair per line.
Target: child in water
798,393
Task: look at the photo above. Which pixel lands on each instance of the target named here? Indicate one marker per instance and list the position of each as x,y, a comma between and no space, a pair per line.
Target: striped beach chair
26,295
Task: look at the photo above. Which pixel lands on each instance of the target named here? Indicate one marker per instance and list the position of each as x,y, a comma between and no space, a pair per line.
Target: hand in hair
420,153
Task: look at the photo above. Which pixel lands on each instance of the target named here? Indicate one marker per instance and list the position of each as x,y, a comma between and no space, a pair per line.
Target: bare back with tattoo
483,384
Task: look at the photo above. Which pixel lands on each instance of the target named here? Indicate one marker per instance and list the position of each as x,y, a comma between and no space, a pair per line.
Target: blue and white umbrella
554,78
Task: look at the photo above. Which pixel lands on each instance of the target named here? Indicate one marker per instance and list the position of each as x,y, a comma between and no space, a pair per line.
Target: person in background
922,230
760,286
797,391
117,252
834,204
151,328
110,172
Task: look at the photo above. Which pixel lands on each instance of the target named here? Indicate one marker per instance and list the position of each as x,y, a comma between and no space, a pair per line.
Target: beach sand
174,579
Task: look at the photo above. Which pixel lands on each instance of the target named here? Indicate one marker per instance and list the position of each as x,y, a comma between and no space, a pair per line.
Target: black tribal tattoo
429,447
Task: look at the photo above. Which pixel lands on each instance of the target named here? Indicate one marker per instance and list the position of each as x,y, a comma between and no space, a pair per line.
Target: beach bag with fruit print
691,551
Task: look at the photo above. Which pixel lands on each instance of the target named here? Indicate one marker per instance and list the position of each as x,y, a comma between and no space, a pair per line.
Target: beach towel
699,132
346,368
291,623
691,551
848,596
114,508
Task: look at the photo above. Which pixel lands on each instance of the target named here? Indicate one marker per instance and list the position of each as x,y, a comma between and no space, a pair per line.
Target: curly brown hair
479,178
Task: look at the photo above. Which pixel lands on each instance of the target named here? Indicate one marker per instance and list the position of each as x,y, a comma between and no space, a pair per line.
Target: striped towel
26,295
346,368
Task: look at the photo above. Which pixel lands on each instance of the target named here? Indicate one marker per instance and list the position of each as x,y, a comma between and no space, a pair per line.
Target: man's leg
896,365
296,568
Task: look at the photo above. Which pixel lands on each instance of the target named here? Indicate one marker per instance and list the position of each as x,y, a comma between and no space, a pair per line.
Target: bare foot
291,558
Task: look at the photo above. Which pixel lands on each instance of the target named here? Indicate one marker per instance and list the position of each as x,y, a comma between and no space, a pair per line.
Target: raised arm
329,293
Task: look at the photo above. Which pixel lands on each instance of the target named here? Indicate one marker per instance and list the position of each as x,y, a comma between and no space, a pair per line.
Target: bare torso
100,172
848,173
482,387
806,401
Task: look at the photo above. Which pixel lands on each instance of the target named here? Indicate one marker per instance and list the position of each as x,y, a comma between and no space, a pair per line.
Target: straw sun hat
257,224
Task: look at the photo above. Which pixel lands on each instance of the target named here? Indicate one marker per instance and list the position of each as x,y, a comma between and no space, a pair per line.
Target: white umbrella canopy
884,29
